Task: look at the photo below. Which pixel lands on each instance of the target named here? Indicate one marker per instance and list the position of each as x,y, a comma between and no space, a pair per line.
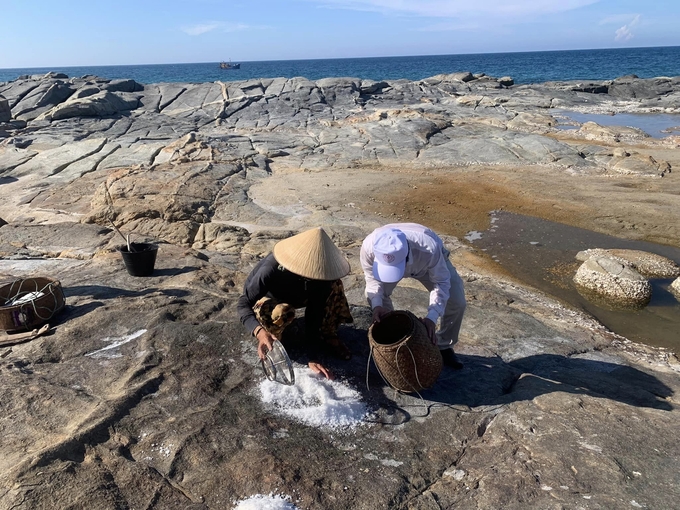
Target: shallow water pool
542,254
657,125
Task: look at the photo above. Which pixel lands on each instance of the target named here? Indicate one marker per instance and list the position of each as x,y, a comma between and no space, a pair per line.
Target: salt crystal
315,401
261,502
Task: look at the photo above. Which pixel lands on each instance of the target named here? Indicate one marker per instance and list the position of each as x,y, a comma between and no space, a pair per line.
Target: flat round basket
28,303
403,353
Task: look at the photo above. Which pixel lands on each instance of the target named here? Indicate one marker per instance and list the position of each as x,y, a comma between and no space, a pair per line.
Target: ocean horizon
523,67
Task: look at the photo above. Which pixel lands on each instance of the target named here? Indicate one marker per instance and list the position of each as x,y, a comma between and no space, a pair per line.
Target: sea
525,67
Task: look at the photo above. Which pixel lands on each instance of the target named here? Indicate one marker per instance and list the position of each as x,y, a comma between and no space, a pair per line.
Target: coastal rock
123,86
675,287
42,98
372,86
633,87
11,157
637,164
592,88
614,281
463,77
647,264
532,122
506,81
5,112
593,131
100,104
52,161
222,238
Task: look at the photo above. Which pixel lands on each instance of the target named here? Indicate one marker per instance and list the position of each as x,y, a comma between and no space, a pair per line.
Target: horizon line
346,58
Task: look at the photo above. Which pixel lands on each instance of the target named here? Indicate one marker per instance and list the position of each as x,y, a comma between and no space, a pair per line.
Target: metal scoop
277,366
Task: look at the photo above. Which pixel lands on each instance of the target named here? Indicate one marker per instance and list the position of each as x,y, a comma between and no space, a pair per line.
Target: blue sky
43,33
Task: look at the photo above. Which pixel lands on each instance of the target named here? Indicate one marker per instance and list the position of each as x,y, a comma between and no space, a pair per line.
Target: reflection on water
657,125
542,253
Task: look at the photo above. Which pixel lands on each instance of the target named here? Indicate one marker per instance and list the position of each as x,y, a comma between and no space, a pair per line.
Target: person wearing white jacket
409,250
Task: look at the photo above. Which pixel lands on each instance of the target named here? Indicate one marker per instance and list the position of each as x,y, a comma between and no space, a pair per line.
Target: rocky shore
146,392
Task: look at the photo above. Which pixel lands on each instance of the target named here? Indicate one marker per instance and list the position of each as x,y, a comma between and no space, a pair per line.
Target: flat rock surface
147,392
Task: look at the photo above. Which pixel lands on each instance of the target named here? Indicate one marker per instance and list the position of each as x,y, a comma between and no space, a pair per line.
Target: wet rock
615,282
647,264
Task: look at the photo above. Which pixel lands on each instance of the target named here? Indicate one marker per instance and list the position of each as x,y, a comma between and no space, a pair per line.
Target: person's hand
379,312
430,327
318,368
265,341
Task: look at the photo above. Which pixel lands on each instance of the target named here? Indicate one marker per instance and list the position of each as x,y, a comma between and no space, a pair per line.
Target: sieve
277,366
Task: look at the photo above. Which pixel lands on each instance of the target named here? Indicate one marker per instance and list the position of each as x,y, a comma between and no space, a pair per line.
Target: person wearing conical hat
409,250
302,271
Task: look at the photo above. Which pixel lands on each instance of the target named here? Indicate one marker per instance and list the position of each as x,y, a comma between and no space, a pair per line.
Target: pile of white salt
260,502
315,401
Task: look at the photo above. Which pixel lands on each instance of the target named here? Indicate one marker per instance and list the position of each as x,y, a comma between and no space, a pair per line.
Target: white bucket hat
312,254
390,248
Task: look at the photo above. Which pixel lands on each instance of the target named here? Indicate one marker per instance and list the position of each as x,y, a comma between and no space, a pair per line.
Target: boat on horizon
229,65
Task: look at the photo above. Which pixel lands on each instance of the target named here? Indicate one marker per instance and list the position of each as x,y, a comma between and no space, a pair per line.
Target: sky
44,33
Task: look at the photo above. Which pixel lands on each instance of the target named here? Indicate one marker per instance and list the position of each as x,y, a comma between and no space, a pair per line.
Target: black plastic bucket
140,260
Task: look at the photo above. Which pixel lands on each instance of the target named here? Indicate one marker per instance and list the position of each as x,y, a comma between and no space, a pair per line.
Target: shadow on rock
104,292
491,381
174,271
99,293
7,180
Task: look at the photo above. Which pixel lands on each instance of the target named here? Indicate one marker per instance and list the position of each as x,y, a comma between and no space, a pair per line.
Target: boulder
123,86
637,164
506,81
5,111
614,282
101,104
593,131
372,86
647,264
460,77
56,76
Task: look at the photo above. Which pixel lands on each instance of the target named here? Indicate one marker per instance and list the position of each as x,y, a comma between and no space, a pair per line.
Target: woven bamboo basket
28,303
403,353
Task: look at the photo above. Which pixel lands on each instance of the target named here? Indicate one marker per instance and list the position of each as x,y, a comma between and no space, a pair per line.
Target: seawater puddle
542,253
657,125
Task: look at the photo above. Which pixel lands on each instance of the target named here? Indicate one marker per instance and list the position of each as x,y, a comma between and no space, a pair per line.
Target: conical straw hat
313,255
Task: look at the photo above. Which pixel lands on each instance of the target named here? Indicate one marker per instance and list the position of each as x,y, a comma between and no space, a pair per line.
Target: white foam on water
261,502
315,401
114,342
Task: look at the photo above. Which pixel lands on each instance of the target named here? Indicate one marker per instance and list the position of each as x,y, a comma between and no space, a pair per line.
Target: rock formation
647,264
146,393
614,281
